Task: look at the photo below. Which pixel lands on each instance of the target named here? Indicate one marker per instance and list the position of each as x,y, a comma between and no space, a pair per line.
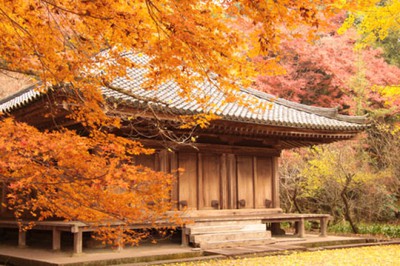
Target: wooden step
230,236
224,223
224,228
236,243
229,213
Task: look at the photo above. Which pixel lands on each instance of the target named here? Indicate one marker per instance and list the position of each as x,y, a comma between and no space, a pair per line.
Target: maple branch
15,23
20,71
153,16
87,14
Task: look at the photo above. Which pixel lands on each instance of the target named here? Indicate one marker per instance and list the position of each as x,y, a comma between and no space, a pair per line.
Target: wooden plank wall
245,181
219,180
188,180
263,182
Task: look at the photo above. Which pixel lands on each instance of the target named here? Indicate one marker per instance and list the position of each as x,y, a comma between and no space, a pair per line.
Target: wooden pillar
275,183
56,239
254,181
324,226
120,244
200,193
300,228
78,242
21,238
185,237
232,181
173,168
224,187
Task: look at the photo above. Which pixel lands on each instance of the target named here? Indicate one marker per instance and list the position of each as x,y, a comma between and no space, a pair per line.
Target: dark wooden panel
232,181
211,181
187,181
245,182
275,183
169,164
263,181
150,161
224,182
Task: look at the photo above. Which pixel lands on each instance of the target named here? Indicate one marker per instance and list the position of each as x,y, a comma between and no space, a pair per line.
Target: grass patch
386,230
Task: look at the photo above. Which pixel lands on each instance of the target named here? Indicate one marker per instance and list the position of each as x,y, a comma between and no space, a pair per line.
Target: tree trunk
294,198
347,211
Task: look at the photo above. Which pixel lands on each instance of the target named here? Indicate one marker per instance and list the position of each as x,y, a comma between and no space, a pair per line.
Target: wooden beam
300,228
78,242
56,239
200,194
232,181
174,170
224,187
21,238
275,183
255,177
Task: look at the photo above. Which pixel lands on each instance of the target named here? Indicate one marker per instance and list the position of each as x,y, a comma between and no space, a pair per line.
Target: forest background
325,53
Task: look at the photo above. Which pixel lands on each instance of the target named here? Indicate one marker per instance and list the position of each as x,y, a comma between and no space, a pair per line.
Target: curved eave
19,100
244,129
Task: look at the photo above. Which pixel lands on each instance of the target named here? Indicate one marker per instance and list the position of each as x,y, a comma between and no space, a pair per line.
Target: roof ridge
322,111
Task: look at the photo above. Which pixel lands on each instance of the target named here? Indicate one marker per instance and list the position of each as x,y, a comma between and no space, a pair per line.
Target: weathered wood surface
213,181
77,228
245,182
188,181
263,182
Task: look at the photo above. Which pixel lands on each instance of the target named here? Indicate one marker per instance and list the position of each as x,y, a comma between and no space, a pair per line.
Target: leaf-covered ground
376,255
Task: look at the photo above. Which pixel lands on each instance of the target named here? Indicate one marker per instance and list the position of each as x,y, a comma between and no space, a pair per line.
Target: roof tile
167,97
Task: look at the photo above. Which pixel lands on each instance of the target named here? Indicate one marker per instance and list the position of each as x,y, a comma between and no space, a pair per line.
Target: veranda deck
77,228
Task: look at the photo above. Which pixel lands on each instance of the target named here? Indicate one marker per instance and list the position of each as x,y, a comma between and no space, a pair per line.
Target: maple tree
79,45
375,22
330,72
61,174
335,70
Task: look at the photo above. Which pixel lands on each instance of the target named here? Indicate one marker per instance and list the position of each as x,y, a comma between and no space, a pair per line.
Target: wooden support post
173,168
276,229
200,197
78,242
21,238
120,244
324,226
56,239
300,227
275,183
232,181
185,237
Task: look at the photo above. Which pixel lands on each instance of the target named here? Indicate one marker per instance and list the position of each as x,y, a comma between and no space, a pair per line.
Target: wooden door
210,181
187,181
254,182
263,182
245,182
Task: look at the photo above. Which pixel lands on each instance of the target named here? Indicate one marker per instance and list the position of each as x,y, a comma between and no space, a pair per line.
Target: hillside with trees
356,181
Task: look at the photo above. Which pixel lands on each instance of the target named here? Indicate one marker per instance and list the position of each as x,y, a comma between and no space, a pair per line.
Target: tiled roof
19,99
278,112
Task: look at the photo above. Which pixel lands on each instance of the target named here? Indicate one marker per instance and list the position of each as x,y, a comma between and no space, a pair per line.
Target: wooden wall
214,180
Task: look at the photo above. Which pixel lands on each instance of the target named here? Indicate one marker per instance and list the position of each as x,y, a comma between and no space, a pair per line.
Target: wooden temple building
230,186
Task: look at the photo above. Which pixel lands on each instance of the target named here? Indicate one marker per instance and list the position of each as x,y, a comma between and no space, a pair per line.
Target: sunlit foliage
77,46
378,255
